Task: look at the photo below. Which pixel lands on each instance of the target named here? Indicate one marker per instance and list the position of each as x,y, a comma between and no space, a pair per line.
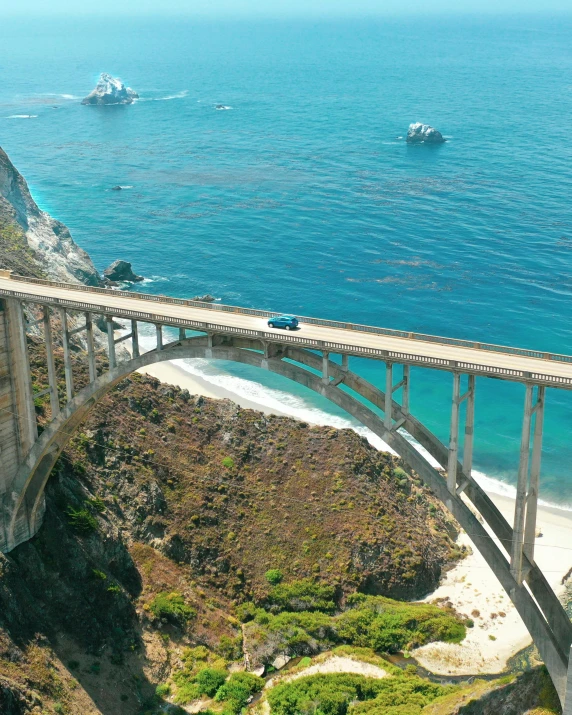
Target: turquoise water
303,196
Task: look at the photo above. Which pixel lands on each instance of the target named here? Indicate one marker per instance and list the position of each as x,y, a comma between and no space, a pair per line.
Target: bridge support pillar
52,379
325,367
134,339
90,347
159,331
567,707
111,343
524,530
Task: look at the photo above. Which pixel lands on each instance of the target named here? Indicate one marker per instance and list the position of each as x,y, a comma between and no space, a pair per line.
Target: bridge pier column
534,486
67,354
524,530
111,343
135,339
567,706
90,347
469,428
405,392
182,334
159,331
325,367
454,435
52,378
388,419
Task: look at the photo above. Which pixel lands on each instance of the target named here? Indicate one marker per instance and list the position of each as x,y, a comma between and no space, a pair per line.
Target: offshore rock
423,134
120,272
110,90
207,298
32,243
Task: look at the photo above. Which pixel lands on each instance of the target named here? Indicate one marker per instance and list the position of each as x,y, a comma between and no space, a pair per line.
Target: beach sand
470,586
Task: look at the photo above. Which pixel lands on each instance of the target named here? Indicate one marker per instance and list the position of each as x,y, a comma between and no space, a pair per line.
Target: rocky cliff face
31,241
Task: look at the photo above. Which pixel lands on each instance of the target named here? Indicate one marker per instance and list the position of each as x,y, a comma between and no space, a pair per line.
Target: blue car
288,322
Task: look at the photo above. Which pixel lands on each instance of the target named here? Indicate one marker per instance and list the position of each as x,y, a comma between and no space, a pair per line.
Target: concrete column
111,342
387,420
182,334
567,705
534,486
90,348
454,435
345,362
135,338
469,428
24,376
67,355
159,329
405,393
52,377
325,368
521,488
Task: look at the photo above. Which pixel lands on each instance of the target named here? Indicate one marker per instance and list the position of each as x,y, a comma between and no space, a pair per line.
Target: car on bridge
288,322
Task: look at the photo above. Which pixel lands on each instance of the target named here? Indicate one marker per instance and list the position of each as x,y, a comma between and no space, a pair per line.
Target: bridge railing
503,349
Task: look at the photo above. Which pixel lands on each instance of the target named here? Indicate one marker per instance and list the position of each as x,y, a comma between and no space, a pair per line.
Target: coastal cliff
185,538
32,243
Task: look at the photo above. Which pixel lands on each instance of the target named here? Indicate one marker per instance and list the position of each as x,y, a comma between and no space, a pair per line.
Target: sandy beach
471,586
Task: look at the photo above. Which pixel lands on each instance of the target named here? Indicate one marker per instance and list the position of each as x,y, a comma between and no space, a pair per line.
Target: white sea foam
22,116
179,95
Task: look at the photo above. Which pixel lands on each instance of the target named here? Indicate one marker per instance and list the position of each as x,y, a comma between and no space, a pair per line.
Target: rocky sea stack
120,272
423,134
110,90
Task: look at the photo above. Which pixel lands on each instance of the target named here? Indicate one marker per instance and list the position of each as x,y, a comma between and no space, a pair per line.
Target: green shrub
163,690
230,648
172,607
228,462
341,693
81,520
302,595
387,625
209,680
96,504
274,576
237,690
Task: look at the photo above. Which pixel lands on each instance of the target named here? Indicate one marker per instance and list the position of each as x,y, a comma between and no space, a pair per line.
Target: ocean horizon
265,163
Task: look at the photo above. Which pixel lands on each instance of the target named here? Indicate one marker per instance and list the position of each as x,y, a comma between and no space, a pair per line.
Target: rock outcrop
423,134
120,272
31,241
110,90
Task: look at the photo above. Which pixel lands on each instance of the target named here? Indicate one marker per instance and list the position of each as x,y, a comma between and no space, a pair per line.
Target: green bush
341,693
237,690
228,462
302,595
230,648
274,576
209,680
163,690
171,606
388,626
81,520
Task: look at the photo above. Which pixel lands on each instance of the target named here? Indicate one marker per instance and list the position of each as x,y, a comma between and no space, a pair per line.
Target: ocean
302,196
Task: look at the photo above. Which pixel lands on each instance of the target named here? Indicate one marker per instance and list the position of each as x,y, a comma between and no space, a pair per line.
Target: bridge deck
504,362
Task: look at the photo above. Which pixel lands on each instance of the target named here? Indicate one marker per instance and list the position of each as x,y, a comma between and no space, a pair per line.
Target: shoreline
471,587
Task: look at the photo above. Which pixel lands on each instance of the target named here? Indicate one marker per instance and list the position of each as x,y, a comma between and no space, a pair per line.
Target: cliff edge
32,243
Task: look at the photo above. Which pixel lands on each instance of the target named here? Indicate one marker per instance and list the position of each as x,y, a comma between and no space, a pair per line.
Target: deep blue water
301,198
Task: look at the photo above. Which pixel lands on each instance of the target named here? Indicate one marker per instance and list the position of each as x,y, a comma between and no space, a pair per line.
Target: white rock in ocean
110,90
423,134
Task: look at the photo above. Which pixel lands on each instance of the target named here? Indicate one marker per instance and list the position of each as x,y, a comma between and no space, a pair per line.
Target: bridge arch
536,603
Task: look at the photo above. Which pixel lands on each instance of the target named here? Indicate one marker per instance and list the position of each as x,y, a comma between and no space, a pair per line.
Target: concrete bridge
305,356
